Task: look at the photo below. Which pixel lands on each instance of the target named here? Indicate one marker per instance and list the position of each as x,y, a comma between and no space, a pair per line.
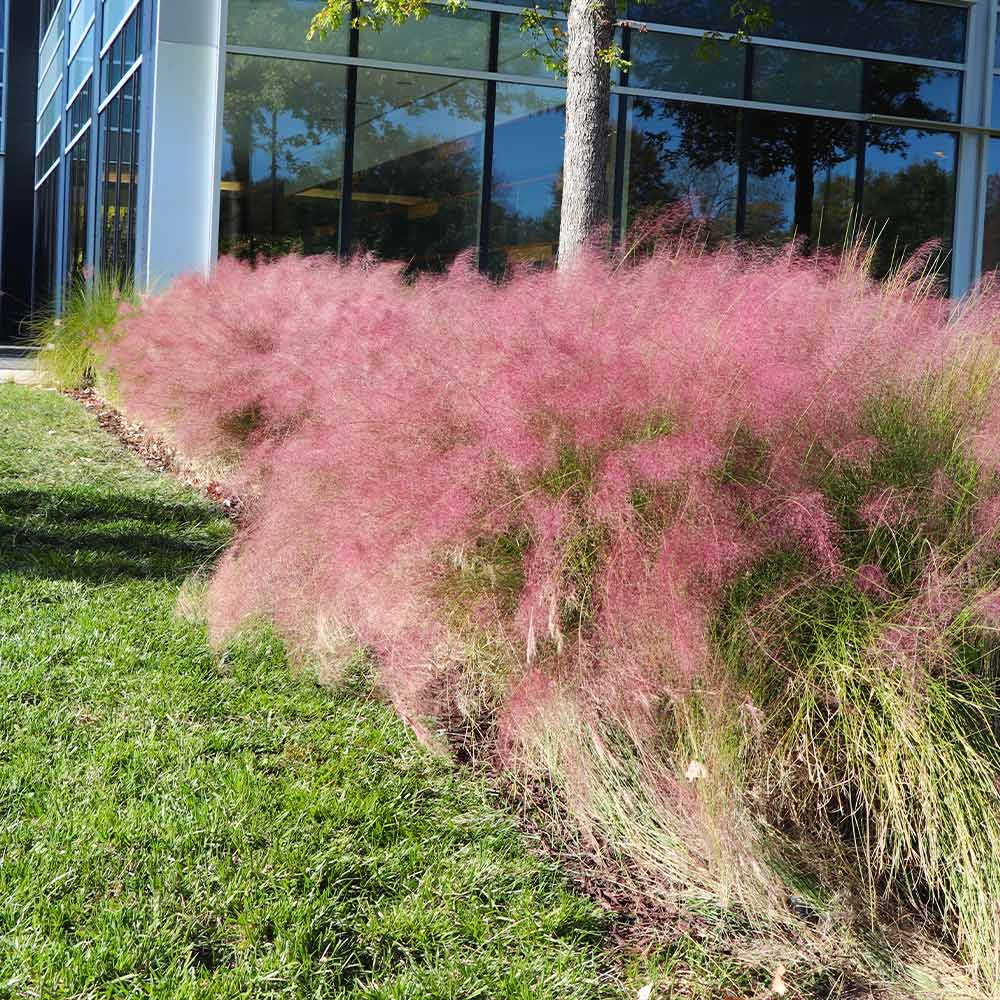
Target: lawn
179,824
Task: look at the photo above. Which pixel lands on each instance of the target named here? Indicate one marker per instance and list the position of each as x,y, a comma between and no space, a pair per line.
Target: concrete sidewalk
19,368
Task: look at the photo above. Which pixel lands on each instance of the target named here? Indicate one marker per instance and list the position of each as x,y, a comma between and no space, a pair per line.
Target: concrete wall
184,150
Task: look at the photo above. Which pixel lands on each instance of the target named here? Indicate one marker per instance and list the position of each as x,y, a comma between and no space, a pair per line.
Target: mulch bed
156,453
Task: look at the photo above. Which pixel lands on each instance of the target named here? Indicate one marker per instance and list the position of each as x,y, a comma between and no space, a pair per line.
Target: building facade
171,131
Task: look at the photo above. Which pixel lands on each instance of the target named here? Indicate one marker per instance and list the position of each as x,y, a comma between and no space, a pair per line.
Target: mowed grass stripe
176,824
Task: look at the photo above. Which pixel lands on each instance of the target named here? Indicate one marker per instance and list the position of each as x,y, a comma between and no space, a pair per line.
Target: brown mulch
156,453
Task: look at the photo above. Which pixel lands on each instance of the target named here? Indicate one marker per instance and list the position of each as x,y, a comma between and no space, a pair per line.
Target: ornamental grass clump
706,545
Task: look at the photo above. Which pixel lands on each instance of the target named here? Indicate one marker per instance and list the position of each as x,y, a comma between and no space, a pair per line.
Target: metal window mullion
133,195
621,142
489,132
345,222
742,152
95,153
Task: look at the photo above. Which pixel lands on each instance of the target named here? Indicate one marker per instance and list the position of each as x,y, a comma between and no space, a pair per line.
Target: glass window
995,104
283,156
51,41
678,153
909,191
79,111
43,286
903,27
81,64
991,234
913,91
808,79
418,166
79,22
48,119
527,174
662,61
281,24
514,44
800,178
114,12
459,40
119,163
76,216
122,55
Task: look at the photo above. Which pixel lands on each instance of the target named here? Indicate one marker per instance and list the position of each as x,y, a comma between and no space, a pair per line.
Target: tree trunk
588,89
805,181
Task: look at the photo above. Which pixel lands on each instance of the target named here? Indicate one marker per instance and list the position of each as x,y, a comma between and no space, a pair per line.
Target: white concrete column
970,194
185,136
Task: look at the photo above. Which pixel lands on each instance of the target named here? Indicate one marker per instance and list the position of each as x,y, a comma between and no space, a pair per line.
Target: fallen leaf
696,771
778,985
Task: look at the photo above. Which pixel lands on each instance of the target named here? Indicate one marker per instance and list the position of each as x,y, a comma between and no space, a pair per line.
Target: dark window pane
800,178
995,105
808,79
283,156
903,27
76,216
682,153
913,91
527,173
522,53
459,40
281,24
909,192
991,235
122,55
663,61
119,160
418,166
46,218
514,45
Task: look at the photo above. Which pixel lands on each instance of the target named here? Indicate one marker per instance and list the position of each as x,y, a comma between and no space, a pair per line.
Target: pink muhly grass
381,425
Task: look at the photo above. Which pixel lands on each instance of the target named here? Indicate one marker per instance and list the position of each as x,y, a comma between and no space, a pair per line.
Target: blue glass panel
459,40
903,27
114,12
995,104
283,156
527,173
281,24
991,233
680,153
81,64
913,91
800,178
661,61
909,190
807,79
79,22
418,166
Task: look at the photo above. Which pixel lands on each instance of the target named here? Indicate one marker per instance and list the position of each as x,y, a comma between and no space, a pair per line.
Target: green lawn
174,824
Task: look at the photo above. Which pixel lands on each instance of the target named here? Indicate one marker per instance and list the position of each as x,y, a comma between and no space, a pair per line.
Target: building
170,131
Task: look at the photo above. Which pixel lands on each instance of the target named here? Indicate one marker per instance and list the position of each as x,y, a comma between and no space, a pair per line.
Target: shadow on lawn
96,535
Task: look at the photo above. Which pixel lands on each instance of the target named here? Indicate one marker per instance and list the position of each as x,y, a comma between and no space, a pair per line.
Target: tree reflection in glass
909,191
682,153
527,174
282,159
417,166
800,178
